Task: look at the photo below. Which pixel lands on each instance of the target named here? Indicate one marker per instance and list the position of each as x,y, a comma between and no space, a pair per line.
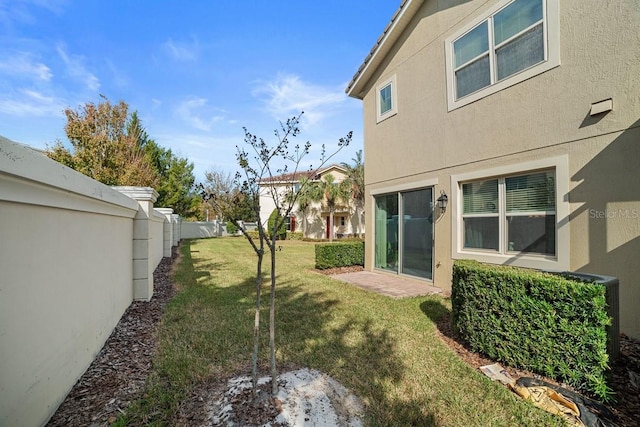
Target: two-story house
314,219
506,131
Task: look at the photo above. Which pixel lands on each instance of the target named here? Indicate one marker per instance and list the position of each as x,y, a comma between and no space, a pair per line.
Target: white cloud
182,51
288,95
31,103
198,114
24,65
77,70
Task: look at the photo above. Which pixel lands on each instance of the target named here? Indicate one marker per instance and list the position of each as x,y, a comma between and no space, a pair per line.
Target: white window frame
560,261
551,34
391,81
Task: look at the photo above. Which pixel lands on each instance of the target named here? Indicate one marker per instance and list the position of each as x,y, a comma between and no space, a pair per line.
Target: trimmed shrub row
542,322
294,235
232,228
330,255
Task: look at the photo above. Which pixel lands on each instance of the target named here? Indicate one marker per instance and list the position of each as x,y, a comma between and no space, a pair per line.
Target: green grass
384,350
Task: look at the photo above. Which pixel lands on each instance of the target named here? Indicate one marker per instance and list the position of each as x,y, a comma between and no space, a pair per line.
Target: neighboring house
314,222
526,115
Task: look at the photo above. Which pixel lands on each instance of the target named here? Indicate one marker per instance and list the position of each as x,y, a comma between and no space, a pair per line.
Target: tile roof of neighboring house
296,176
391,33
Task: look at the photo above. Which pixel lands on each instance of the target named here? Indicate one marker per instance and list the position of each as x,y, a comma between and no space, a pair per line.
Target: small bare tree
260,163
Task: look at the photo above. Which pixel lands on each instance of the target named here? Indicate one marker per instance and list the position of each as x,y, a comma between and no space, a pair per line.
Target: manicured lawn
384,350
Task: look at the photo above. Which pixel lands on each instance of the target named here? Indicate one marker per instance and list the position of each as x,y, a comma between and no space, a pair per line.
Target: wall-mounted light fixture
443,200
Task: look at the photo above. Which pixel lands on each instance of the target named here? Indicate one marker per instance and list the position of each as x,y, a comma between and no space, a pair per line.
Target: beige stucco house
314,222
525,114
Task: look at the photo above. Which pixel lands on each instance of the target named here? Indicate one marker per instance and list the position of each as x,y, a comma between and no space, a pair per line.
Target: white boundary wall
74,253
200,229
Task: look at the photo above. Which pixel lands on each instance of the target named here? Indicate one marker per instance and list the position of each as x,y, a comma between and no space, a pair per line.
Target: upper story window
386,99
511,42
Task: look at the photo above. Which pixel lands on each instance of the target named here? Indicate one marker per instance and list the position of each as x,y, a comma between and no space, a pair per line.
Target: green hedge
532,320
254,234
281,232
290,236
294,235
329,255
231,228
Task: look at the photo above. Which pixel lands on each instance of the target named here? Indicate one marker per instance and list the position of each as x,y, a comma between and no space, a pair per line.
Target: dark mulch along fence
117,376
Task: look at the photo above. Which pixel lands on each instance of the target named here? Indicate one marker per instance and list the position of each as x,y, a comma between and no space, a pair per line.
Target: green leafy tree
305,196
276,218
103,147
177,188
231,228
256,167
176,183
112,147
221,185
355,182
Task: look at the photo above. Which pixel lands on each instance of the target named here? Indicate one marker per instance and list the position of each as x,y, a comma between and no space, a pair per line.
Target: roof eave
385,42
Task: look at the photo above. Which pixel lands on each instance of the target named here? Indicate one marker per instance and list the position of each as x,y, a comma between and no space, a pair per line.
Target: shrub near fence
294,235
537,321
330,255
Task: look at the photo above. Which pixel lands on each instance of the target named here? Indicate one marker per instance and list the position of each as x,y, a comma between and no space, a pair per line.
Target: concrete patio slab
391,285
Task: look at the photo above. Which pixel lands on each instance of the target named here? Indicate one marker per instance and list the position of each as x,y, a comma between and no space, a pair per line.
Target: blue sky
196,71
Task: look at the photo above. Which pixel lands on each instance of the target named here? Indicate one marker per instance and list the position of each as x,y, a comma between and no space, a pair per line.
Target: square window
481,233
532,233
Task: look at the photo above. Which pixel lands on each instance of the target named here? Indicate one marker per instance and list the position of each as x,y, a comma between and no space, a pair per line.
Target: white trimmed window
515,215
515,40
511,215
386,99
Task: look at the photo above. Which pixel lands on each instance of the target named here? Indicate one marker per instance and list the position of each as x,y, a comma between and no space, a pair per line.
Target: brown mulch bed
624,372
117,376
341,270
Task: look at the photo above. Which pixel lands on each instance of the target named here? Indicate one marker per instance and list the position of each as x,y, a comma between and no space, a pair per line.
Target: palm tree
333,194
355,181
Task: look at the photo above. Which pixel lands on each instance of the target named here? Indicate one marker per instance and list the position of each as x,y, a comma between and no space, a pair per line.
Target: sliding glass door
405,246
417,233
386,232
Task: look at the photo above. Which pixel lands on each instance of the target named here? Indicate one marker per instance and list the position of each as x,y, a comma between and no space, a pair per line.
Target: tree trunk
304,224
256,326
272,323
331,214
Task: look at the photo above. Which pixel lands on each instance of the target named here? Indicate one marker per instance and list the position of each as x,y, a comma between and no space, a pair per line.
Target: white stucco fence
201,229
74,253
